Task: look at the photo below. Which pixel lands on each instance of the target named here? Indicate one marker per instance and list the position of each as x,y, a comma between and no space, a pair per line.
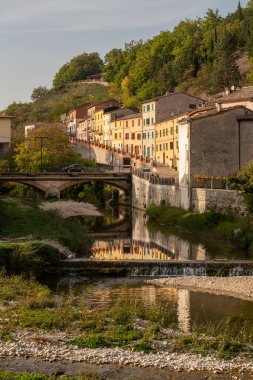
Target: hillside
55,102
202,56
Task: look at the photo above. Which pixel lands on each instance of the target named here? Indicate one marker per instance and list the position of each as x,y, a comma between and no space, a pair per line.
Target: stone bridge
52,183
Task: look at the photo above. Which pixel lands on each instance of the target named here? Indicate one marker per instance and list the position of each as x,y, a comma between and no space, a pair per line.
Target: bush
28,258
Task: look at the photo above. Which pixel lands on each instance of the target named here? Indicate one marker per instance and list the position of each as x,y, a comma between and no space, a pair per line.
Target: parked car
74,168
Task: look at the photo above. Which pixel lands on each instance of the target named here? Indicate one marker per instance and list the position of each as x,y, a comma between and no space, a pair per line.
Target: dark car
74,168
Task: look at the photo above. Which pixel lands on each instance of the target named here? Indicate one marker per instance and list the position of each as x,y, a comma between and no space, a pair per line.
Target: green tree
39,92
78,69
56,149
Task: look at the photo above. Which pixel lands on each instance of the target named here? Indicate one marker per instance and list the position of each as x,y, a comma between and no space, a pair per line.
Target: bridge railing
155,178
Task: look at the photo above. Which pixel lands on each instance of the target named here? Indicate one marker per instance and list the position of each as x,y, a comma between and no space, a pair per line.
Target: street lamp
41,138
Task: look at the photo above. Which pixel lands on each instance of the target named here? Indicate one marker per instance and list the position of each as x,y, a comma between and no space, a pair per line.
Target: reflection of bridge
52,183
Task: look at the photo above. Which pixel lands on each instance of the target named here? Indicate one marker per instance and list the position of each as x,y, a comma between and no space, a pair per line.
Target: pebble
54,349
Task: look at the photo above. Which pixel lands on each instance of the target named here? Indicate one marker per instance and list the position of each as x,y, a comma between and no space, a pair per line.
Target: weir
154,268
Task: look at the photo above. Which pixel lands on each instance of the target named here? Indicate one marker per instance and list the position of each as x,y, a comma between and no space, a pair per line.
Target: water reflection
122,243
189,310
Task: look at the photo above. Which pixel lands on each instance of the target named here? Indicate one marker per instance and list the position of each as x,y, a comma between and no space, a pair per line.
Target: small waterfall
154,270
241,270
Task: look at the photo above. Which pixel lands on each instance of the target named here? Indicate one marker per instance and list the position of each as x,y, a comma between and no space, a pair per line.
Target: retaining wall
144,194
204,199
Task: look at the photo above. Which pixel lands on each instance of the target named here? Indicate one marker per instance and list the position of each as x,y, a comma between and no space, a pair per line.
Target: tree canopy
78,69
55,150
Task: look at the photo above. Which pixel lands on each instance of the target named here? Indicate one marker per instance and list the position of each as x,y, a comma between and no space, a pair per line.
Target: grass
6,375
230,230
21,218
129,324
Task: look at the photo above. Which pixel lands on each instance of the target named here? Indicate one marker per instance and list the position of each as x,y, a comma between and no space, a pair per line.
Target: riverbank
239,286
68,209
52,348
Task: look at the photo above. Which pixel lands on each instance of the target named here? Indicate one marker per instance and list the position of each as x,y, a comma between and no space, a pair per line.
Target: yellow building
166,142
98,131
126,133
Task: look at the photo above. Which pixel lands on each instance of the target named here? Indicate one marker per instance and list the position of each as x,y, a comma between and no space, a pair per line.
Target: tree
225,72
55,149
78,69
39,92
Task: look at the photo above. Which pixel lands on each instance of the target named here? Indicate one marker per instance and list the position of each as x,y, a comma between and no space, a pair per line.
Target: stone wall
144,194
204,199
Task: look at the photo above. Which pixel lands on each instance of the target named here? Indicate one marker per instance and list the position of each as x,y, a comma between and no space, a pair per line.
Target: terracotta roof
2,116
244,93
213,111
172,94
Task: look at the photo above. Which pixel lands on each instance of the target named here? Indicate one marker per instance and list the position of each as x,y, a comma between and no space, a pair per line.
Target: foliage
78,69
39,92
28,258
47,147
226,225
243,181
27,219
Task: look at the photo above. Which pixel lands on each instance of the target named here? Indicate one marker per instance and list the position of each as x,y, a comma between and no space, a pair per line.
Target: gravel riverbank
55,348
239,286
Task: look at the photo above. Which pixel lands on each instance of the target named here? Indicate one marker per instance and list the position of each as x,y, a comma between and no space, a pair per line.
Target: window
152,135
132,123
127,136
115,135
163,132
176,128
120,135
133,136
152,107
160,147
144,136
166,131
147,121
171,130
126,124
144,122
166,146
171,145
192,106
139,122
148,135
177,145
148,107
160,133
139,136
152,120
157,148
156,134
144,109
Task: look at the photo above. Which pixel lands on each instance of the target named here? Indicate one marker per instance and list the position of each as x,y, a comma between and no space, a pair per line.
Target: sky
38,36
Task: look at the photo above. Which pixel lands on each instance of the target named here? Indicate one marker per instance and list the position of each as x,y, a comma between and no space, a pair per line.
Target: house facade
110,116
161,108
73,117
95,118
213,143
166,142
5,133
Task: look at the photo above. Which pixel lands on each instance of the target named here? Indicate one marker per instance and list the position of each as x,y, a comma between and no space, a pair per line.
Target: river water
128,238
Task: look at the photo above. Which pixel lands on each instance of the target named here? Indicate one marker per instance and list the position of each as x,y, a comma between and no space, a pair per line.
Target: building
166,142
73,117
161,108
213,143
110,116
126,133
5,133
237,97
95,118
